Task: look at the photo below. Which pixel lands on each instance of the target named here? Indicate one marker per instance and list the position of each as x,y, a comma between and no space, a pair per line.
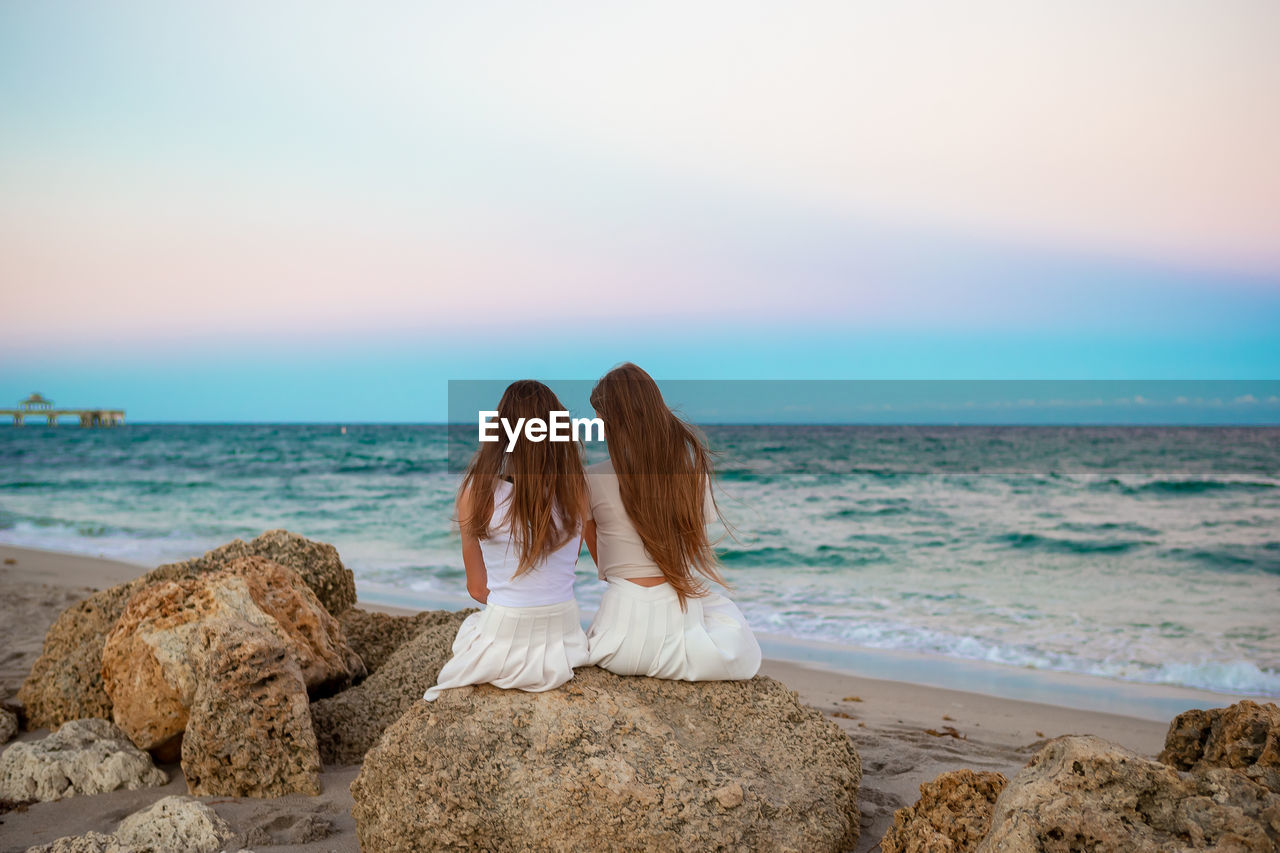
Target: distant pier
37,406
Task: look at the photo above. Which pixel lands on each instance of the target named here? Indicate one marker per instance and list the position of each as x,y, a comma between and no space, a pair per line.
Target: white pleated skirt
521,648
641,630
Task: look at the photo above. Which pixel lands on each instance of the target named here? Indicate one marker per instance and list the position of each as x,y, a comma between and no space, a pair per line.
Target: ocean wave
1181,487
1034,541
1239,676
1261,557
824,556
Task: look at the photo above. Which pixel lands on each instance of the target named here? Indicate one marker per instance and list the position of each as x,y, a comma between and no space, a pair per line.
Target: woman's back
619,548
548,582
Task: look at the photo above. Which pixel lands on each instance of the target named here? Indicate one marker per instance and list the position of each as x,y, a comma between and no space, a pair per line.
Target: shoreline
906,733
1053,688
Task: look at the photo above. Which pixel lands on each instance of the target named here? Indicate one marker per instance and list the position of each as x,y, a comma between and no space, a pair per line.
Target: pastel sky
319,211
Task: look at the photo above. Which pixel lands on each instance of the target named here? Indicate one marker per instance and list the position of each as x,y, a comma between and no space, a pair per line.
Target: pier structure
38,406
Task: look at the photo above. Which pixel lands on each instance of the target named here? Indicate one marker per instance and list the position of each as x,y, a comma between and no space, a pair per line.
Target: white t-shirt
547,582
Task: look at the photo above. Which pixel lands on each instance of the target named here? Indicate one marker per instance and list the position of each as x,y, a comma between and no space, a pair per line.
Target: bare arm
589,528
589,535
473,557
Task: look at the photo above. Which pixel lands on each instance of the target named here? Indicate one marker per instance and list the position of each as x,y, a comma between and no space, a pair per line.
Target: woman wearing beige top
649,505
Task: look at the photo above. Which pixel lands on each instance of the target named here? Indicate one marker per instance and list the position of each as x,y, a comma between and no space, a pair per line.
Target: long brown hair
548,486
664,474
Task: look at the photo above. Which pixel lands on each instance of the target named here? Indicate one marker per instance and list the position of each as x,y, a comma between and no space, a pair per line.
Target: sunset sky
316,211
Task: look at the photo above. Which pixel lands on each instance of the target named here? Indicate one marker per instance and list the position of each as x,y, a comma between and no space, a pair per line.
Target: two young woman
643,514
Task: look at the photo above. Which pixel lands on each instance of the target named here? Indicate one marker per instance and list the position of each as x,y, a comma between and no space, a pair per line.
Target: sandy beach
905,733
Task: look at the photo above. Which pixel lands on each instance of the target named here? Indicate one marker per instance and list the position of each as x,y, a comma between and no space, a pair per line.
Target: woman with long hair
649,504
520,513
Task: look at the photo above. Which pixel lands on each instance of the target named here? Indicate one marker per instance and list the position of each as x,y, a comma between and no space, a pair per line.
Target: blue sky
322,212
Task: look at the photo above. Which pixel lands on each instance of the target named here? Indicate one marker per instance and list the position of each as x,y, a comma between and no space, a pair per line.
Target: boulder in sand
1085,793
953,814
1244,737
90,756
317,562
249,733
376,636
90,842
151,657
611,762
65,682
175,823
349,724
171,823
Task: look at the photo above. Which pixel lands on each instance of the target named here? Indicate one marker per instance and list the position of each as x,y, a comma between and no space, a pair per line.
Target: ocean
1143,554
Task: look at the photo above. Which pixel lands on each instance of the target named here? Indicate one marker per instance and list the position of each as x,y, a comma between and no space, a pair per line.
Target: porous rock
952,815
1245,737
65,682
317,562
611,762
169,824
90,756
1086,793
151,657
8,725
348,724
175,823
90,842
249,733
376,636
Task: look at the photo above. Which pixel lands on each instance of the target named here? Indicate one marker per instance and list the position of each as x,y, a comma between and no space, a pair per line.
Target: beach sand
888,721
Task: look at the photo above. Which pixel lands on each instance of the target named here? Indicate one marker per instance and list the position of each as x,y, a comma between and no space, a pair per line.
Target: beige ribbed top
618,545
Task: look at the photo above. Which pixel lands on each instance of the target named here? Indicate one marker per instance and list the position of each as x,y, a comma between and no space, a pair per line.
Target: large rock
952,815
90,756
250,732
1085,793
610,762
317,562
175,823
1245,737
348,724
151,658
65,682
376,636
169,824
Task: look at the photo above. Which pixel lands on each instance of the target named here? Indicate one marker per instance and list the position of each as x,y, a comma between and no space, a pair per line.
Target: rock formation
249,733
348,724
953,814
90,756
151,657
175,823
1085,793
8,725
66,680
610,762
1244,737
169,824
376,636
317,562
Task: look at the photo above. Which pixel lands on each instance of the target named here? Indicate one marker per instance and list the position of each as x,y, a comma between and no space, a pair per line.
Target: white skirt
641,630
525,648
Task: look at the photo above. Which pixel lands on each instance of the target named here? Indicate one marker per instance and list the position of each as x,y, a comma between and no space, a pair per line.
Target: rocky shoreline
292,718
